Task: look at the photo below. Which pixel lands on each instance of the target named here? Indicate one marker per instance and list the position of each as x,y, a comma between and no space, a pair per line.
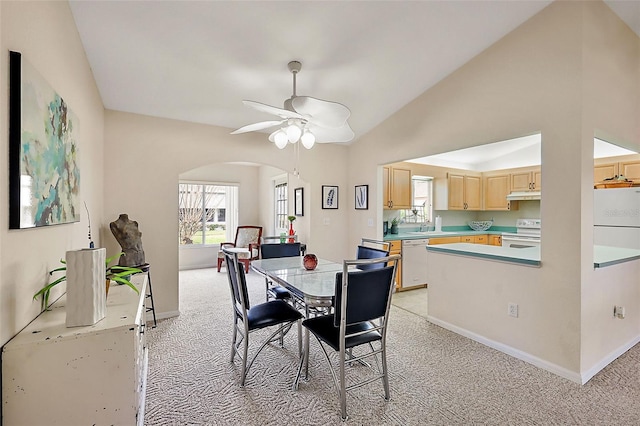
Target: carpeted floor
437,377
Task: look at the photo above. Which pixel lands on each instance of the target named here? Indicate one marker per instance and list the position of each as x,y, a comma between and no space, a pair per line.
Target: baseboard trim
516,353
587,375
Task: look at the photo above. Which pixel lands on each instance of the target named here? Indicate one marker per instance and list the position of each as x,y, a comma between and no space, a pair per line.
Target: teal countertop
603,255
529,256
606,256
447,231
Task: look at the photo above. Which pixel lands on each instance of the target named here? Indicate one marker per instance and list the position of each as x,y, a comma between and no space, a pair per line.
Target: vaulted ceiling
197,60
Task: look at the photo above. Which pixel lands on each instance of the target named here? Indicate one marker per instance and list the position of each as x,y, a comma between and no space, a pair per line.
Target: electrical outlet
370,222
618,311
512,310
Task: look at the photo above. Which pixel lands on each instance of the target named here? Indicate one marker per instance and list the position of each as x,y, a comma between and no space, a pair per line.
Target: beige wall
45,34
532,80
158,151
568,73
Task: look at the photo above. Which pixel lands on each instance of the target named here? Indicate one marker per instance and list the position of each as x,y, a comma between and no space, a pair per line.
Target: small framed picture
329,197
298,201
362,197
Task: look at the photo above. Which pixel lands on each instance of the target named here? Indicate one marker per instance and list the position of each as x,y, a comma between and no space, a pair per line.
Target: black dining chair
360,318
270,251
273,313
364,252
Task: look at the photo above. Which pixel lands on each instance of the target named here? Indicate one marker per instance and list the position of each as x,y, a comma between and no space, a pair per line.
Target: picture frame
362,197
44,177
298,201
329,197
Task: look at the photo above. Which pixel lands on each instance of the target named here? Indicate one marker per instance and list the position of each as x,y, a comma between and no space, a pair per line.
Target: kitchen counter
447,231
529,256
603,255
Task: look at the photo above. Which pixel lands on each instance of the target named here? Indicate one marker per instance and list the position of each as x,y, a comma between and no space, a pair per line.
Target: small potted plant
394,226
117,273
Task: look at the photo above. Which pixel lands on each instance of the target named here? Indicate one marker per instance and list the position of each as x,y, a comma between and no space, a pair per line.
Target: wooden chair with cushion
246,244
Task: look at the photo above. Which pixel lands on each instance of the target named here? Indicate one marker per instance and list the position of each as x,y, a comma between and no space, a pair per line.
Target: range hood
522,195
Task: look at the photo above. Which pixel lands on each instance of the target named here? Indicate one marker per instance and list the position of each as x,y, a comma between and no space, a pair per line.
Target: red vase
291,232
310,261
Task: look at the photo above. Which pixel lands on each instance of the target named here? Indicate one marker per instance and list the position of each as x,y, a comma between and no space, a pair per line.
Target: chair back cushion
237,283
269,251
371,253
248,235
367,295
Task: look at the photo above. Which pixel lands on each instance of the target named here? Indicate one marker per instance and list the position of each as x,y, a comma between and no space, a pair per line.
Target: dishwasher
414,262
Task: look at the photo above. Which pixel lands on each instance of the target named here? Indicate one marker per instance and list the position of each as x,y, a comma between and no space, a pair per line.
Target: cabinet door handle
508,206
391,204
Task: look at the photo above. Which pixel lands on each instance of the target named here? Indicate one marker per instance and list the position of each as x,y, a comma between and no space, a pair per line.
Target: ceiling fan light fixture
293,133
308,139
280,139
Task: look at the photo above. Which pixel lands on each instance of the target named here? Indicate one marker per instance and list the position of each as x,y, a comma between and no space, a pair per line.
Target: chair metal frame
363,327
242,313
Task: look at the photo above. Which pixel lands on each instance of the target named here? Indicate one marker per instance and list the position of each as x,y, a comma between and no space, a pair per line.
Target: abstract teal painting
44,178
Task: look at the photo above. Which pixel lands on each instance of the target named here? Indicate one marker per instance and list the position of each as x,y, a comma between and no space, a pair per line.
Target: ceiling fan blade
283,113
332,134
257,126
320,112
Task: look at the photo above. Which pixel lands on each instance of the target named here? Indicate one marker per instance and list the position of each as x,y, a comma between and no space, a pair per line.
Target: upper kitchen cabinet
630,170
465,192
496,188
396,188
609,167
529,179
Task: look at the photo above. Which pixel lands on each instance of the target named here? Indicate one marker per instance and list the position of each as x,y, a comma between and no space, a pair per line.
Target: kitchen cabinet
443,240
95,374
396,188
474,239
396,248
609,167
526,180
464,192
604,171
495,189
495,240
630,170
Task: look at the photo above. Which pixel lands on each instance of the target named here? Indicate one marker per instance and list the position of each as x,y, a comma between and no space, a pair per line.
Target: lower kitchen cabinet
444,240
91,375
495,240
396,248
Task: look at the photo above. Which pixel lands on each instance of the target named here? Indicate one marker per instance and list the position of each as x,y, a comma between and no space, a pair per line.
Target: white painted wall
570,72
160,150
45,34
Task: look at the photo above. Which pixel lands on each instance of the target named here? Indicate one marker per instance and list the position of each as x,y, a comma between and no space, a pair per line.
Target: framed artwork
44,178
329,197
362,197
298,201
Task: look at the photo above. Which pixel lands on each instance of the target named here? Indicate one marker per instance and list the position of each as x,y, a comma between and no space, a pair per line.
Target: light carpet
436,376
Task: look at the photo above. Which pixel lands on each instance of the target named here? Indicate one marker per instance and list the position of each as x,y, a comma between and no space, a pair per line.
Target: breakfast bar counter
603,255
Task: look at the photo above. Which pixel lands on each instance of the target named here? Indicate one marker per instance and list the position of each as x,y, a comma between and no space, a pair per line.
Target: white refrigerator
616,217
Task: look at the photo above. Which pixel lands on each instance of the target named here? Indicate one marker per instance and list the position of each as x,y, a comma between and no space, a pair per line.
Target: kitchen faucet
422,226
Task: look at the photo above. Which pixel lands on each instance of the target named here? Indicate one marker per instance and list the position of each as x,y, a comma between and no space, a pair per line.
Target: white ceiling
197,60
519,152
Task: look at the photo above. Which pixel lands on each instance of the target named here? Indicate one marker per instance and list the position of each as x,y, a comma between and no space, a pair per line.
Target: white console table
92,375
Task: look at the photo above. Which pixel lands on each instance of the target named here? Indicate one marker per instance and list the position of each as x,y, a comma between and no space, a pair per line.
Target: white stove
527,234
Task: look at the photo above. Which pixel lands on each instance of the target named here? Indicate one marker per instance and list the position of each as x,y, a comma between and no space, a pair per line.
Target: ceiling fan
303,118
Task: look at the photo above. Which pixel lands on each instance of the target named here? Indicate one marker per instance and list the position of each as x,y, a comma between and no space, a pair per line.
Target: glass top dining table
310,286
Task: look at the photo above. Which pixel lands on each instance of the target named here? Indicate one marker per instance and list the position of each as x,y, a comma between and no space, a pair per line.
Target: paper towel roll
438,224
